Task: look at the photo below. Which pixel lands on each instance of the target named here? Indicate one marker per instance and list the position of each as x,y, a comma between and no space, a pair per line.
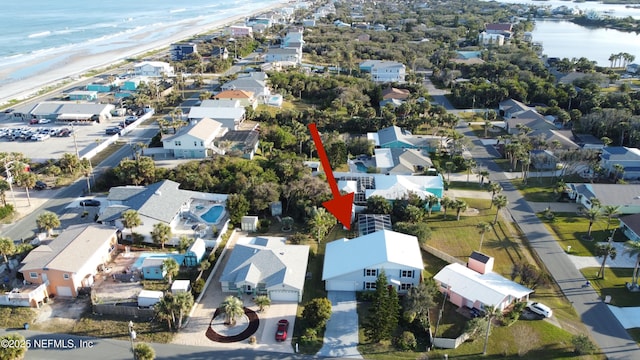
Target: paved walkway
341,334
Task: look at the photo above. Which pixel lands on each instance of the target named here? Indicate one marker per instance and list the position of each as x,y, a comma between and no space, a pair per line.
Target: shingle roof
204,129
234,94
393,93
271,262
612,194
70,250
391,134
499,27
620,153
632,222
216,113
374,249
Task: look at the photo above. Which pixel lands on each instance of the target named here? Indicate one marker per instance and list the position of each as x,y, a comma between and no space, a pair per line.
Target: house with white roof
287,55
477,286
229,117
486,38
195,141
70,261
629,158
390,187
266,266
383,71
153,69
397,254
65,111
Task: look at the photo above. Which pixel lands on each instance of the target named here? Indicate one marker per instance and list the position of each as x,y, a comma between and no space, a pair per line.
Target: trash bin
26,326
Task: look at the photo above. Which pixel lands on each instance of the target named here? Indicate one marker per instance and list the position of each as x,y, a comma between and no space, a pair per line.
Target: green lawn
540,189
460,238
613,285
570,230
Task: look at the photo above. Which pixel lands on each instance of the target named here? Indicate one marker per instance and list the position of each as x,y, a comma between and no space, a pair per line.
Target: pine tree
384,311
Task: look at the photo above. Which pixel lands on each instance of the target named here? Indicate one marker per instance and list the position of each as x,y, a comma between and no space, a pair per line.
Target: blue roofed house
397,254
629,158
626,196
266,266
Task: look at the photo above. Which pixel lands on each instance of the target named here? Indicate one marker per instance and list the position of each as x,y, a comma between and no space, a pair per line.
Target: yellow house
71,260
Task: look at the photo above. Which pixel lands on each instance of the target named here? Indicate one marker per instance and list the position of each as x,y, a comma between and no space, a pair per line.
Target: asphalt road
604,327
49,346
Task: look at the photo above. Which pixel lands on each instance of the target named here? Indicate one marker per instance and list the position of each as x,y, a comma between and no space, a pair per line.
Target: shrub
198,286
407,341
317,311
263,225
583,345
6,211
309,335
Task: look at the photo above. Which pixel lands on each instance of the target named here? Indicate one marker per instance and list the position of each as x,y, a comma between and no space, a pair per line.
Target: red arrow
340,206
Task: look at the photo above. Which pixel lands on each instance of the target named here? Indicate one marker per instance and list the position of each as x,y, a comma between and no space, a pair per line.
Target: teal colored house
396,137
153,268
83,95
131,84
99,87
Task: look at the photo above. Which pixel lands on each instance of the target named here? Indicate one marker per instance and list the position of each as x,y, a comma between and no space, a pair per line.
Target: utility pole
132,336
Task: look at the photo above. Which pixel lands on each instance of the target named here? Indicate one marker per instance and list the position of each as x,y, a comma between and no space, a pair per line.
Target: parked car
540,309
113,131
33,121
40,185
283,328
90,202
44,121
130,120
8,111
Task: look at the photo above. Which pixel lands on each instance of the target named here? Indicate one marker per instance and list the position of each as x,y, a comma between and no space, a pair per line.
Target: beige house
245,97
70,261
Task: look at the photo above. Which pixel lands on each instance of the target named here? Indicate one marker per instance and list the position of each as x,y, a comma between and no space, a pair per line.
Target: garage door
63,291
283,295
337,285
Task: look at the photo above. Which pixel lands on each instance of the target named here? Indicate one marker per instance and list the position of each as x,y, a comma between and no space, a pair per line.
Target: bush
583,345
6,210
309,335
407,341
317,311
263,225
366,296
253,339
198,286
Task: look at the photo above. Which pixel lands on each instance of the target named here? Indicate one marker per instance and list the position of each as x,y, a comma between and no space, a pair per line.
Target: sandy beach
62,65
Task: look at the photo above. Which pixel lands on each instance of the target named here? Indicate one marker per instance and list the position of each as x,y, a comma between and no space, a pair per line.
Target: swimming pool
213,214
361,166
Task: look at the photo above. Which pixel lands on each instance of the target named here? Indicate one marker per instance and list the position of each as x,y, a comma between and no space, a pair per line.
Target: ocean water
34,28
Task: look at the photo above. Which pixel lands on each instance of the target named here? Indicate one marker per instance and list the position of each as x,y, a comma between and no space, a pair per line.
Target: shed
195,253
249,223
148,298
153,268
180,286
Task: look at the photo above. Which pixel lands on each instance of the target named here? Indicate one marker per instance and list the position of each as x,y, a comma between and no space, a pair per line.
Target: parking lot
43,141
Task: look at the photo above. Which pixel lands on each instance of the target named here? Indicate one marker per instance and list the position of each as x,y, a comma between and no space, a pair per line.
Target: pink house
238,31
477,286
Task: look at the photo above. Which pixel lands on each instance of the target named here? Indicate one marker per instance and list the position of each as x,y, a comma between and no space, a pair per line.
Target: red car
283,327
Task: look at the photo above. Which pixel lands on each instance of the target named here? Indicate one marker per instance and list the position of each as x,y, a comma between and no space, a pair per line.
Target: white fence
445,343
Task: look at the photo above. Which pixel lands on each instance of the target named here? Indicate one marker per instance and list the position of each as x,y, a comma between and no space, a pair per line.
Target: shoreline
64,66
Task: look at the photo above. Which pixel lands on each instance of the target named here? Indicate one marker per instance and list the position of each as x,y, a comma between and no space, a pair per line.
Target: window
195,143
201,143
405,286
33,275
407,273
370,272
65,276
178,143
369,285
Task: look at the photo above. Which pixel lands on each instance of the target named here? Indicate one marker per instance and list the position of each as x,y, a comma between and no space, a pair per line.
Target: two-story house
383,71
196,140
153,69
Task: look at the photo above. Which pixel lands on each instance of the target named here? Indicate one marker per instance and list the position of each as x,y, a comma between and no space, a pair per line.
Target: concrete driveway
341,334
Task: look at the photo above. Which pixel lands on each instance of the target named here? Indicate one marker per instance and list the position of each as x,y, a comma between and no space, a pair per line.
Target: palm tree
619,171
491,312
606,251
232,308
499,201
203,266
321,223
432,201
7,247
262,301
592,215
4,186
470,164
183,303
165,309
446,203
131,219
28,180
171,266
483,174
449,166
632,248
48,221
487,125
610,211
460,206
483,228
161,233
143,351
494,188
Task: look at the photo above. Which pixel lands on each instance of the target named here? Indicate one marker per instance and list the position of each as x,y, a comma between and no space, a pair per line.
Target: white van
540,309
